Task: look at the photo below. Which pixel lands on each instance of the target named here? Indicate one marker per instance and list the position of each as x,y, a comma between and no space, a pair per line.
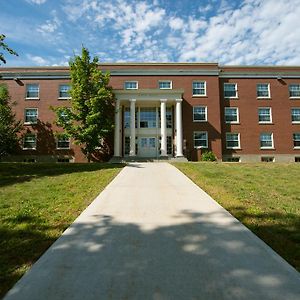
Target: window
32,91
263,90
294,90
297,159
169,145
63,116
148,117
200,139
231,115
199,113
165,85
264,115
29,160
233,159
199,88
230,90
266,141
169,117
232,140
295,115
63,142
296,138
64,91
267,159
131,85
31,115
127,145
29,141
63,160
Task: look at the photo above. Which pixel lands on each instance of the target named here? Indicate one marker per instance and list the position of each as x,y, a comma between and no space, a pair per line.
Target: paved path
153,234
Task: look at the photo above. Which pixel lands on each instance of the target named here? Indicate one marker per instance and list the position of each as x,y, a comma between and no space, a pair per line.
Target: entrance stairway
146,159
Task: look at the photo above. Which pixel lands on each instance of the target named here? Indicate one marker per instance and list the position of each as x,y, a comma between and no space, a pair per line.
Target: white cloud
38,2
51,25
176,23
38,60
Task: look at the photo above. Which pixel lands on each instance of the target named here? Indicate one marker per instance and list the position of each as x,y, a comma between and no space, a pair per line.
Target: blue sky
250,32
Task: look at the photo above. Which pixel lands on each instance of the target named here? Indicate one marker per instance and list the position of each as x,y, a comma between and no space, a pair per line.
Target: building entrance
147,147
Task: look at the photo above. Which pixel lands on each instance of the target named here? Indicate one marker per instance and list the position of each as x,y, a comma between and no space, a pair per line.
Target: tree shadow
12,173
194,258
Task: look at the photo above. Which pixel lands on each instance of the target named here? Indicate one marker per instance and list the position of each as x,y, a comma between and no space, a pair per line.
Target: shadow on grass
12,173
279,231
194,258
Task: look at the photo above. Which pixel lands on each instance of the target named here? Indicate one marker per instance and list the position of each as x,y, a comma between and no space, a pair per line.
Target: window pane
199,113
296,138
29,141
294,90
64,90
130,85
230,90
165,84
169,117
148,118
264,115
232,140
200,139
199,88
231,115
32,90
263,90
296,114
31,115
266,140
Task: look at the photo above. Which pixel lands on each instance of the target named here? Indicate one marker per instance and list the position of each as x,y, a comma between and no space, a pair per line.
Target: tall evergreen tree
89,119
9,127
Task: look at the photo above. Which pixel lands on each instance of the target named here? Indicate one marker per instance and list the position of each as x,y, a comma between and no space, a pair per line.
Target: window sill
234,123
297,148
28,148
200,147
234,148
199,121
32,98
231,98
64,98
30,123
266,123
199,96
294,98
267,148
295,122
263,98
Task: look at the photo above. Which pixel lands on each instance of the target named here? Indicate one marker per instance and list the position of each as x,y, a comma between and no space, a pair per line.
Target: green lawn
37,203
265,197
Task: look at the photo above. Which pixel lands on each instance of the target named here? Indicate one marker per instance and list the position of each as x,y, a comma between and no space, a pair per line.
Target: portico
148,123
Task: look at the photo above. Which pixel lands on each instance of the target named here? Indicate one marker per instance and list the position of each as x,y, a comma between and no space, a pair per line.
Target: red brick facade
182,76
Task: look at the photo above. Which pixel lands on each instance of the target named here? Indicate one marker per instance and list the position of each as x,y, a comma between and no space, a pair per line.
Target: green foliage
9,127
6,48
208,156
89,119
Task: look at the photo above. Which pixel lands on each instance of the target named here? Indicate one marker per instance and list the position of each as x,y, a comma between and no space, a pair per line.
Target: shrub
208,156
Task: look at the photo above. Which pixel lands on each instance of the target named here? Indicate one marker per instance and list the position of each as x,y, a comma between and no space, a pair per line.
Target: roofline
257,66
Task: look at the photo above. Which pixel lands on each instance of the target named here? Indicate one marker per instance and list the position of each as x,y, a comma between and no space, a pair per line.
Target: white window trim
171,84
205,92
37,116
239,140
269,92
127,81
236,90
63,148
35,142
294,122
293,97
265,122
272,137
32,98
200,147
205,114
295,147
237,113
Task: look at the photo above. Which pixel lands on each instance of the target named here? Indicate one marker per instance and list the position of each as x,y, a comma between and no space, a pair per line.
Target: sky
249,32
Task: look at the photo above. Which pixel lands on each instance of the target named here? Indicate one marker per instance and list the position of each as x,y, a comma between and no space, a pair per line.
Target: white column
117,129
179,128
163,127
132,127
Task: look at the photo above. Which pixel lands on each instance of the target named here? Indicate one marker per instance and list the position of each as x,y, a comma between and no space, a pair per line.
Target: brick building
241,113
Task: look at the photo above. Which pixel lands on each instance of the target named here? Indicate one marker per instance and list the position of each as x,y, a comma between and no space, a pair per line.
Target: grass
264,197
37,203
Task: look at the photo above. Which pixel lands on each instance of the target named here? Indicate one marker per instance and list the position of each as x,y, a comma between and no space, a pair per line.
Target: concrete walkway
153,234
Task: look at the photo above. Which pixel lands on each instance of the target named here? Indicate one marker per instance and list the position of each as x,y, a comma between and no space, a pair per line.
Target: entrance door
147,147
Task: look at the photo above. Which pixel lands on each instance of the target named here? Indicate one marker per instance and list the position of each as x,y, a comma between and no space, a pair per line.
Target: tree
6,48
9,127
89,119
